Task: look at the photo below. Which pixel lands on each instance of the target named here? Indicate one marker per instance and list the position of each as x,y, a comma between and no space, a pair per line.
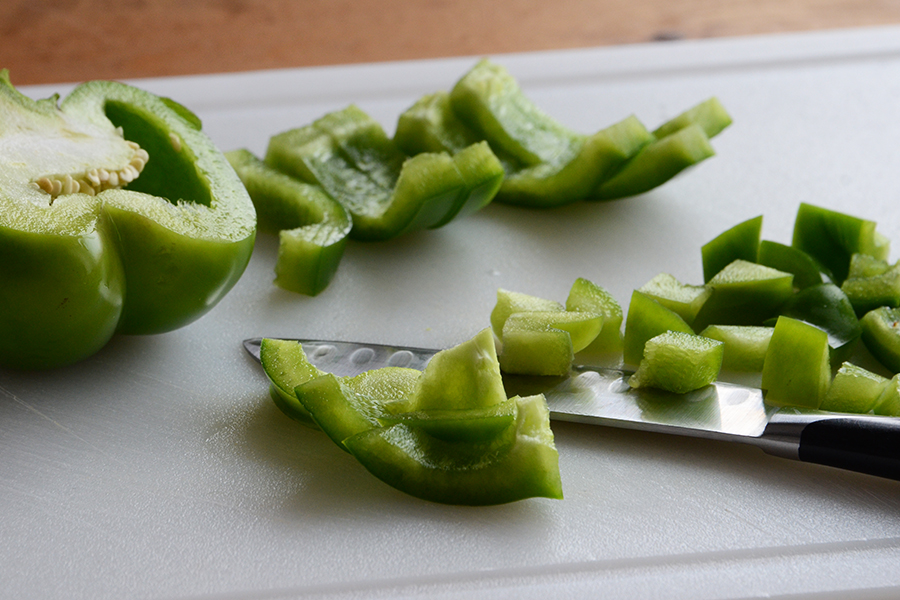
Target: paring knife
723,411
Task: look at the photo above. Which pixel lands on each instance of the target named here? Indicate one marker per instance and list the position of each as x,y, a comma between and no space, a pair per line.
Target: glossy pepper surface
117,214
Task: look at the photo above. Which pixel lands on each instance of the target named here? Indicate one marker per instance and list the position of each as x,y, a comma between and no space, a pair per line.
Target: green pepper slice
448,434
521,462
574,178
831,238
827,307
386,192
285,364
548,164
744,293
678,144
646,319
806,271
490,101
657,163
710,115
312,227
117,214
797,371
431,125
739,242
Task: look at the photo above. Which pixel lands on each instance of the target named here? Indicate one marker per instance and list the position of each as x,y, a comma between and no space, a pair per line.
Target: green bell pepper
117,214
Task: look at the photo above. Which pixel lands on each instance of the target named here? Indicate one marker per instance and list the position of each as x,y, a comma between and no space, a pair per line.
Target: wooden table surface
43,41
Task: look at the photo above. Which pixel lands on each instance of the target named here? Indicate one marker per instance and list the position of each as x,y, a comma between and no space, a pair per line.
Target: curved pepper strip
312,227
546,163
679,143
117,214
449,434
432,125
386,192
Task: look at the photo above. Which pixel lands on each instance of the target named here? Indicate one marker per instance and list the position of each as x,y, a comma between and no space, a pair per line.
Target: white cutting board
161,469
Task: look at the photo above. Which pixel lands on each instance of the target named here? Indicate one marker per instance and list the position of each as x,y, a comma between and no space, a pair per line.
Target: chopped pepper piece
678,362
587,296
312,227
647,318
739,242
744,293
832,238
797,371
827,307
682,298
117,214
881,335
806,271
853,390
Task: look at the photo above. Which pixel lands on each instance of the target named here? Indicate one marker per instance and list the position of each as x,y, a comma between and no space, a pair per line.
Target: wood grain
44,41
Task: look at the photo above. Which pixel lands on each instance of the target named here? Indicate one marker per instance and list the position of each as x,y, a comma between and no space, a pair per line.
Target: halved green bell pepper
117,214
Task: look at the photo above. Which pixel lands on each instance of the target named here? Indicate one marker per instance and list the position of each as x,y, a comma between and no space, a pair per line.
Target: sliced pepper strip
386,193
312,227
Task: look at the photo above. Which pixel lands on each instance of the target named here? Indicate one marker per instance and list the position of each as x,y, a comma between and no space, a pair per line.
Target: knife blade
723,411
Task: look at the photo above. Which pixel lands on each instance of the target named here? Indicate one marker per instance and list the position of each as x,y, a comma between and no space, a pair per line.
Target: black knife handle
866,446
